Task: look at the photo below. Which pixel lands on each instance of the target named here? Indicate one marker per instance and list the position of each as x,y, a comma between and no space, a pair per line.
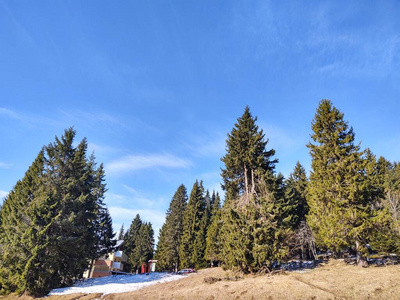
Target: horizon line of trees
55,221
351,200
138,244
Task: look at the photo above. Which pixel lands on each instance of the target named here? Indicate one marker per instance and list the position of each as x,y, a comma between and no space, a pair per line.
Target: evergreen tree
121,233
209,202
169,240
104,233
189,251
392,194
15,224
253,232
341,215
295,195
199,244
246,160
144,246
213,241
139,244
387,236
131,238
57,215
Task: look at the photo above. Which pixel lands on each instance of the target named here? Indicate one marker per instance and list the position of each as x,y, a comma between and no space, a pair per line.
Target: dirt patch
211,280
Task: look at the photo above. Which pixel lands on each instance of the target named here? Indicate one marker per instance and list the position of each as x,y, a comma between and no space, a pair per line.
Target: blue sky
155,86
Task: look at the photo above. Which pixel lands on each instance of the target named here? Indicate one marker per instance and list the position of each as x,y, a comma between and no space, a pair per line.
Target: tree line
349,203
54,221
187,238
138,244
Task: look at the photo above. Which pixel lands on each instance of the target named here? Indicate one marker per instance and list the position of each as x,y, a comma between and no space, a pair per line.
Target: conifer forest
55,222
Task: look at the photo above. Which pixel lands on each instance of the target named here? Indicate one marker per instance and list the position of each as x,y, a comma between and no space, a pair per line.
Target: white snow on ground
116,283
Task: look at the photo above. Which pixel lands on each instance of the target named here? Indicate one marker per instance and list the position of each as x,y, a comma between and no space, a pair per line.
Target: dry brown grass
335,280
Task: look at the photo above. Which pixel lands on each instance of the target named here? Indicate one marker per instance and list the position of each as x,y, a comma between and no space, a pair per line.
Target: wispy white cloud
208,145
125,216
9,113
63,119
29,119
136,162
19,29
139,199
5,166
76,116
115,198
315,39
130,189
134,198
103,149
328,49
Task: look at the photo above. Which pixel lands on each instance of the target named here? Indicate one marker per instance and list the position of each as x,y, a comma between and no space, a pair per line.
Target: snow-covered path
116,283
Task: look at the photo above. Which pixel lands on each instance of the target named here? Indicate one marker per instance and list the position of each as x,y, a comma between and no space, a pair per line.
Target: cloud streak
77,116
29,119
132,163
126,215
210,145
9,113
4,165
318,40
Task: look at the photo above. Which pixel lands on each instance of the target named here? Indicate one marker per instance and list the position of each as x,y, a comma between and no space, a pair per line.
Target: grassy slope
332,281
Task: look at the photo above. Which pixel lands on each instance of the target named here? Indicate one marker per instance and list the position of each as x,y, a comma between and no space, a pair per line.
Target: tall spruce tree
190,251
246,159
169,240
341,215
199,244
253,233
57,215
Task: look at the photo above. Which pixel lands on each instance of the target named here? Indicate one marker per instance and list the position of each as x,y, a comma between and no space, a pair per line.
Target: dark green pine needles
169,239
54,221
253,233
139,244
342,212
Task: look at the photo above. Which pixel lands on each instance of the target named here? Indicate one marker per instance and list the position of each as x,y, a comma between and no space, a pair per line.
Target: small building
108,264
152,265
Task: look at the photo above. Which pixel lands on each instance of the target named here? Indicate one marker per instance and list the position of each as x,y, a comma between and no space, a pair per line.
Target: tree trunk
91,268
246,182
252,183
361,261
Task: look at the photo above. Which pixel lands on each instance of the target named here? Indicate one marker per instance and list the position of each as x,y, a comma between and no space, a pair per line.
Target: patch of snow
116,283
